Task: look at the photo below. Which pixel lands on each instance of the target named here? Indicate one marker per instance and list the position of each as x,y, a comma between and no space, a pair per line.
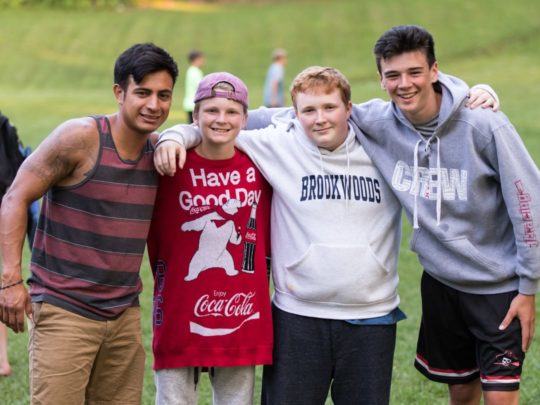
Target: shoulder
376,105
75,140
372,111
483,119
66,154
77,131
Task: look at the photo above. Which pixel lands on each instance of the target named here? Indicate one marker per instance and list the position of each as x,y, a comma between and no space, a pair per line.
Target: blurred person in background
194,75
274,90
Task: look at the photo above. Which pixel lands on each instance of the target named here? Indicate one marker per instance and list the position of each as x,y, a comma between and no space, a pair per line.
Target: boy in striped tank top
96,177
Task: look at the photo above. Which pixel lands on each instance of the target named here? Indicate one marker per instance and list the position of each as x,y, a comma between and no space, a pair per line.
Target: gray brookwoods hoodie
471,191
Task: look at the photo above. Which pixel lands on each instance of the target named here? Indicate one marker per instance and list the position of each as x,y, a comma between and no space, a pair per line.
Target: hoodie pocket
465,248
341,274
453,259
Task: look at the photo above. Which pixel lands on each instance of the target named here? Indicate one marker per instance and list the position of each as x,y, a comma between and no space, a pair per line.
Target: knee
465,394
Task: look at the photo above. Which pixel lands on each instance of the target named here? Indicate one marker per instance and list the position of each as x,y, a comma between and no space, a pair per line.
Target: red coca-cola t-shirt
208,245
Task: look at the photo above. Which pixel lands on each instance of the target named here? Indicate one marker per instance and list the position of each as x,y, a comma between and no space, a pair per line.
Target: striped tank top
91,236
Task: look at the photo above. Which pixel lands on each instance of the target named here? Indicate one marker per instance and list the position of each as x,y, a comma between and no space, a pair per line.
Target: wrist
5,286
10,277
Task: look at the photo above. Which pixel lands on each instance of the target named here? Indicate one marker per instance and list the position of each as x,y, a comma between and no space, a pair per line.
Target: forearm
262,117
13,222
186,135
519,179
525,221
14,298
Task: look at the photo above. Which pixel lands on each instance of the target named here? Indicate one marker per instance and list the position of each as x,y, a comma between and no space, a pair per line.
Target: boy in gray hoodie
469,187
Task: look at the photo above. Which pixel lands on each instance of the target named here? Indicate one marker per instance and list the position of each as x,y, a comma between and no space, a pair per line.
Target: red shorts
460,340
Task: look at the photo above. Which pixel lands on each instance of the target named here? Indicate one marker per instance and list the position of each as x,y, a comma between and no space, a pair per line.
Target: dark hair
141,60
404,38
194,54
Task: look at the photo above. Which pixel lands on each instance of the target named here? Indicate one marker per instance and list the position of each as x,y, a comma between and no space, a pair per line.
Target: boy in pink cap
208,246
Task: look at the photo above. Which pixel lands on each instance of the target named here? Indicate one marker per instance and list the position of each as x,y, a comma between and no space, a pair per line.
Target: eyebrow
406,70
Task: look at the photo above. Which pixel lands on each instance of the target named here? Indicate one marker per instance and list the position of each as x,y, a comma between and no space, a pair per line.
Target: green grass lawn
57,64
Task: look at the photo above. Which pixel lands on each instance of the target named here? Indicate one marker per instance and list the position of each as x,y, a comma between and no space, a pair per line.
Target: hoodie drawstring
348,171
321,164
439,182
416,181
415,185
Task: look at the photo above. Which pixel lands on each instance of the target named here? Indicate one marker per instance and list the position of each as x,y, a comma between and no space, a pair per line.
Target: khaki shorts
76,360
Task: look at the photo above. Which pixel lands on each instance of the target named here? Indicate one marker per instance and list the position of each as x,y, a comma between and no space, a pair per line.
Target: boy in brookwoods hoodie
335,231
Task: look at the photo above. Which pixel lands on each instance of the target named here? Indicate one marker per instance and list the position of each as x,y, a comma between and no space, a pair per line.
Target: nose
404,80
221,116
153,102
321,117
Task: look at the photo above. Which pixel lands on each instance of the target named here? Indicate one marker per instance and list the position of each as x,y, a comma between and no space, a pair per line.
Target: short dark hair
404,38
140,60
194,54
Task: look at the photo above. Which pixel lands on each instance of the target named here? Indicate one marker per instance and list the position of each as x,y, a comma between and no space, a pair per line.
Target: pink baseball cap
206,88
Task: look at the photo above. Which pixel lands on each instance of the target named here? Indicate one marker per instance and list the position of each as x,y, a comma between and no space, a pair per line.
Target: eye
165,96
141,92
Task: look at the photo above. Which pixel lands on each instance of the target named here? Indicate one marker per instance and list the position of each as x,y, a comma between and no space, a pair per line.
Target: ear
381,81
349,109
434,72
196,118
118,93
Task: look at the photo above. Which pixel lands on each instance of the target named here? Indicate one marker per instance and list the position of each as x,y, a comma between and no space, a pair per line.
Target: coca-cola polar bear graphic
212,252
